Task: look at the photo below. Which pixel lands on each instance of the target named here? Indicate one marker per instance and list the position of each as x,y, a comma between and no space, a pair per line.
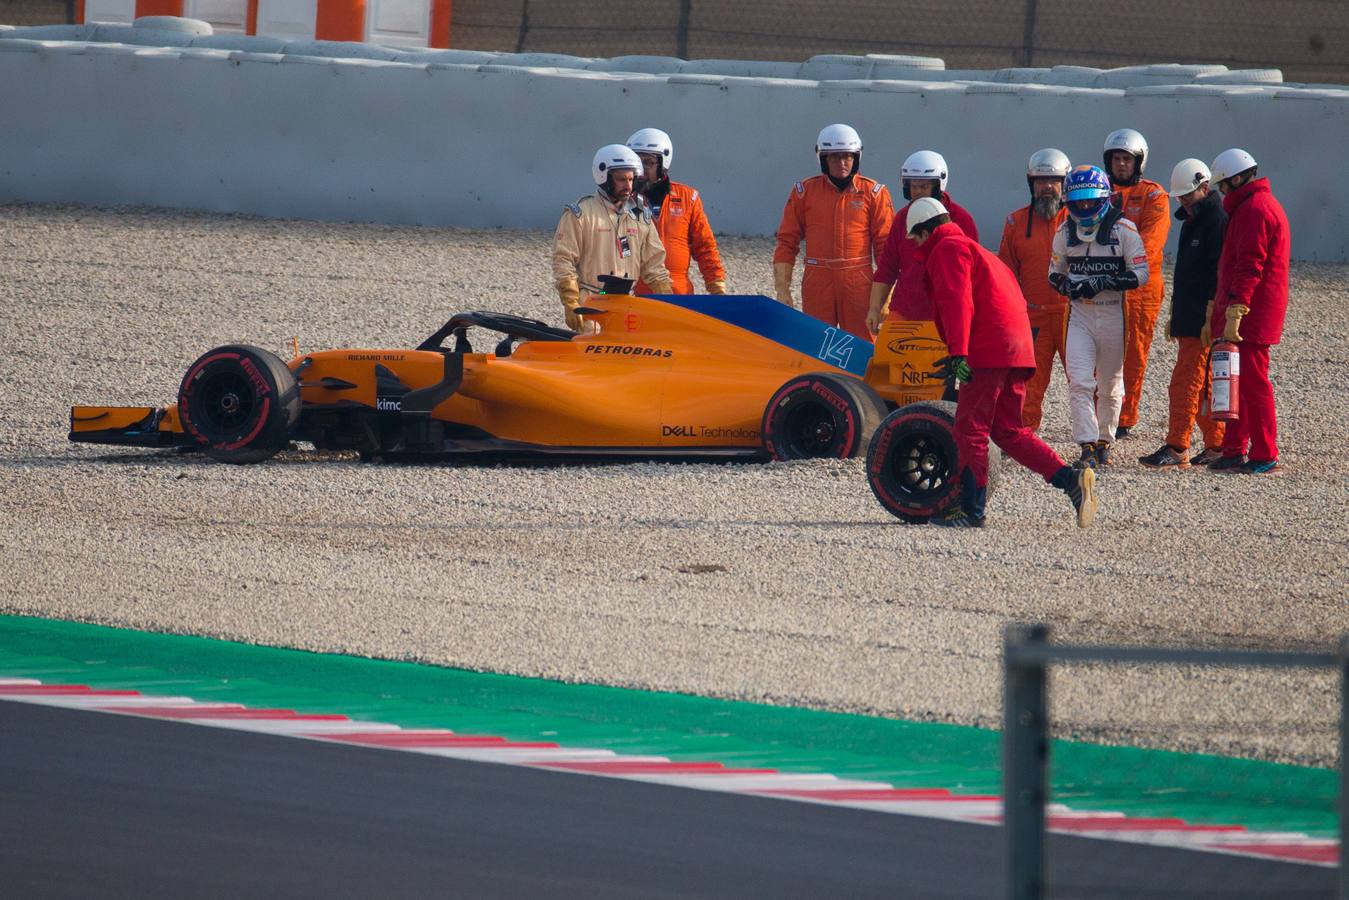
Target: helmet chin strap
606,189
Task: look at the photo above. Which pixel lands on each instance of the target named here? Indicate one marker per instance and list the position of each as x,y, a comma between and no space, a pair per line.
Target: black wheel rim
921,467
810,430
226,401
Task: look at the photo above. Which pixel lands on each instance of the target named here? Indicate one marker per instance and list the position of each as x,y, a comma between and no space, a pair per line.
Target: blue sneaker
1228,465
1254,467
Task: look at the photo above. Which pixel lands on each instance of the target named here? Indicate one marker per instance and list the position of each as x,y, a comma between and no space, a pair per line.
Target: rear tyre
820,416
239,403
913,461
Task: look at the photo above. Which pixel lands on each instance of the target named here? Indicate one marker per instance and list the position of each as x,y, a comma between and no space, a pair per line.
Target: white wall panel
496,145
119,12
224,16
398,23
287,18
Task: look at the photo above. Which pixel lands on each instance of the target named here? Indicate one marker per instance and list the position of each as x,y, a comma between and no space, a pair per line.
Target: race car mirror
613,284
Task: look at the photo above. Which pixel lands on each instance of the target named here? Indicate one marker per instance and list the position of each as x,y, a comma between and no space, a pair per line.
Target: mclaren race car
671,375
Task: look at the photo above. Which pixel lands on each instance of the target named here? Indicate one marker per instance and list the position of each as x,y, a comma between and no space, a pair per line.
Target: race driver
1097,257
1027,240
924,174
844,219
609,232
678,213
981,315
1145,204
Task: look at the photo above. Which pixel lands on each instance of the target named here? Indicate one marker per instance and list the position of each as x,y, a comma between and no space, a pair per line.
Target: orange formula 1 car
680,376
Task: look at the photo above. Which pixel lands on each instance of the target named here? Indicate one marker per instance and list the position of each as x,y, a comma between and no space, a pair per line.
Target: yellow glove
782,283
570,293
880,306
661,286
1233,330
716,287
1206,332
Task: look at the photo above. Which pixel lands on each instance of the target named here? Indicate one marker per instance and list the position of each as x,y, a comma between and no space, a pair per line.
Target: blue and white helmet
1087,183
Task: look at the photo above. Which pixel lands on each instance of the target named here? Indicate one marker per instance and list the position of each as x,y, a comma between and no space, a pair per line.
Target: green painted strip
1197,788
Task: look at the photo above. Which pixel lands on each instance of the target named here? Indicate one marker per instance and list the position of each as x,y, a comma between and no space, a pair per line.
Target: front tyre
239,403
913,463
820,415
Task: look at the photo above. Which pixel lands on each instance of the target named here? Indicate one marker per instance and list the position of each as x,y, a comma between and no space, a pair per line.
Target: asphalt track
113,806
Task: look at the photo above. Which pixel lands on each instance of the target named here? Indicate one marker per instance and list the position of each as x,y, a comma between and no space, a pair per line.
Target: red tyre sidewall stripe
878,463
255,377
813,387
192,374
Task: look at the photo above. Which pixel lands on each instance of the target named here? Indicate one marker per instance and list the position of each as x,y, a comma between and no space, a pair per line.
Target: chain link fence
1307,39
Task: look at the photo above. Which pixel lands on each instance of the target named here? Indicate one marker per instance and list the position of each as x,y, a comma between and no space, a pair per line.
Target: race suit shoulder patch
574,208
876,189
800,187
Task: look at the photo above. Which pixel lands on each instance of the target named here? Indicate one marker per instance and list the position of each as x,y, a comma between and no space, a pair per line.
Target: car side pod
419,403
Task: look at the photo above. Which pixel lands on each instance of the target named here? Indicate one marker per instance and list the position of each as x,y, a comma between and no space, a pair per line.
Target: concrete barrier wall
301,134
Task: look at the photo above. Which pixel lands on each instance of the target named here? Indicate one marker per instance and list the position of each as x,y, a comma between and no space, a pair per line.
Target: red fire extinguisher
1224,366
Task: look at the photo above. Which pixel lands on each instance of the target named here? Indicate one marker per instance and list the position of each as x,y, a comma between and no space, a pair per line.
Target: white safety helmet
839,138
1229,163
1188,175
921,210
1048,163
927,165
655,141
1131,142
611,157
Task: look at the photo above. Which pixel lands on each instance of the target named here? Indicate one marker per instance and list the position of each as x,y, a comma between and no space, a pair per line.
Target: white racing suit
597,237
1093,269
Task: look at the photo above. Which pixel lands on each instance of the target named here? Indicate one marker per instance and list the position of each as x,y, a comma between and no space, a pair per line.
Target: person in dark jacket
981,315
1196,280
1249,306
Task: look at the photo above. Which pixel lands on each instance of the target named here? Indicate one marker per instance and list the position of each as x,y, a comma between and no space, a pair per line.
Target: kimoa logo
389,404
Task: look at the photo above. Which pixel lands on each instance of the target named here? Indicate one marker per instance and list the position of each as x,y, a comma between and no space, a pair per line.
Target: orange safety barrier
335,20
440,24
346,20
159,8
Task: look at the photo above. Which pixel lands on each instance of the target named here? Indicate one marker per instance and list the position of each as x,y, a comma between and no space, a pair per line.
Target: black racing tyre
239,403
912,463
820,415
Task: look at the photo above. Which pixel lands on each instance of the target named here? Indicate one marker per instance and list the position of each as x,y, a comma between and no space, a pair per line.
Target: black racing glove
1125,281
1088,287
1061,283
954,368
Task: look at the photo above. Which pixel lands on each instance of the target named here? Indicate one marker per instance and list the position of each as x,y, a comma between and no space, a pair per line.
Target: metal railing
1027,655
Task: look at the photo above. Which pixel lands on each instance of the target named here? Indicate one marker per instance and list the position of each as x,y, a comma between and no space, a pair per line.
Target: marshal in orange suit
678,212
1145,204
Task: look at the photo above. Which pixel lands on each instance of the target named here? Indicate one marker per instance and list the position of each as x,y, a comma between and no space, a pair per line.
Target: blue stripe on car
789,327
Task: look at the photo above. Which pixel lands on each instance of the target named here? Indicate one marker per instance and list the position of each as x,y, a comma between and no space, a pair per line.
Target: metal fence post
1344,770
682,36
1028,34
1024,761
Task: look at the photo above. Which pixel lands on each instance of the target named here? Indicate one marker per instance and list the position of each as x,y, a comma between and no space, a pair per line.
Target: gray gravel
784,583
